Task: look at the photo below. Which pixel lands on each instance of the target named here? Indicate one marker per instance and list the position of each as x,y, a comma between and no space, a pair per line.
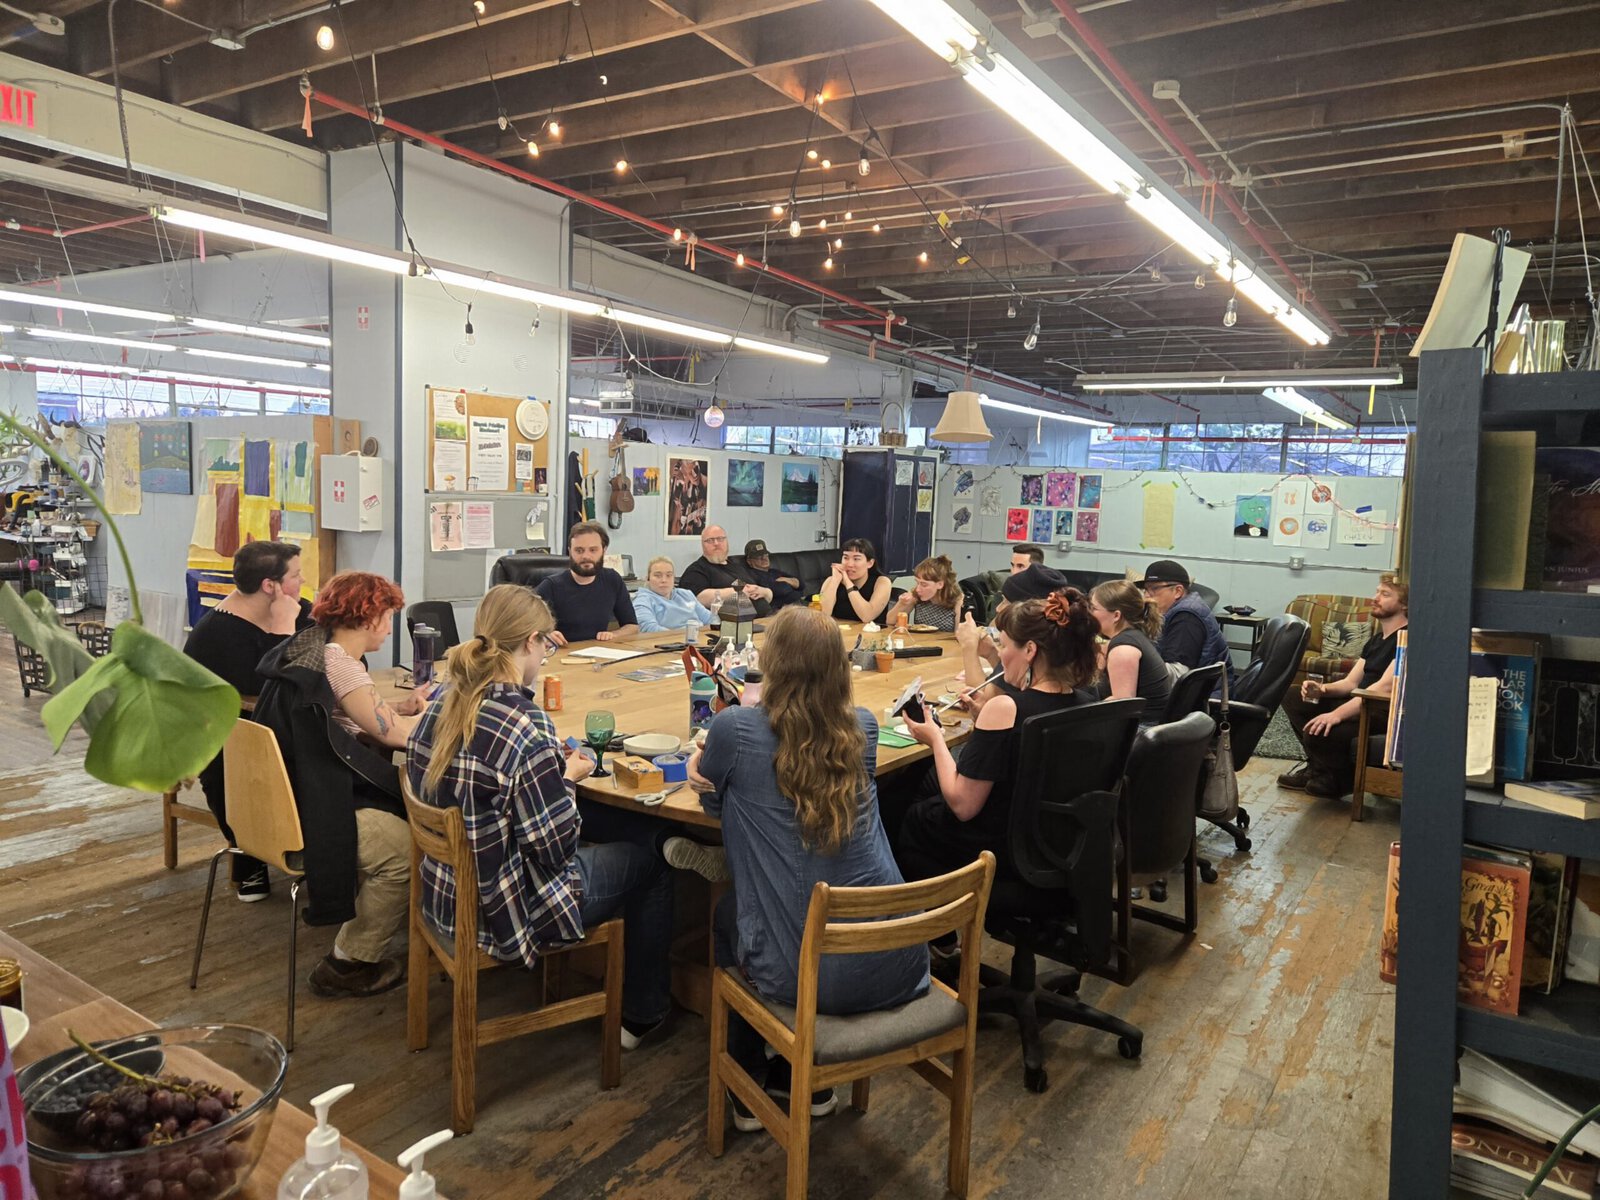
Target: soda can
552,693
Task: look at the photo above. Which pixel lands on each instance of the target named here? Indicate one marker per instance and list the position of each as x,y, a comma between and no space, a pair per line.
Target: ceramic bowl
648,745
16,1024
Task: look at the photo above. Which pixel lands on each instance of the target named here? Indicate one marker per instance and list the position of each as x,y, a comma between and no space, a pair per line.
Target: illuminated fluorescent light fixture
781,349
263,359
268,234
45,334
967,40
59,364
50,300
1007,406
514,291
1241,381
1306,408
695,333
268,332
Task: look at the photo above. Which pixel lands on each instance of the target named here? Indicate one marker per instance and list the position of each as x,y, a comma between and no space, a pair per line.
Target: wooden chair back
441,834
261,807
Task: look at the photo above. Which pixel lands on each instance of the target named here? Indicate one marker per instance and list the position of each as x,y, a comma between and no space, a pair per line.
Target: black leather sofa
530,568
810,567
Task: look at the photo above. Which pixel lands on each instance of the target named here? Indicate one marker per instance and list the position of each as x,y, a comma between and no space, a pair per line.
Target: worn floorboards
1266,1063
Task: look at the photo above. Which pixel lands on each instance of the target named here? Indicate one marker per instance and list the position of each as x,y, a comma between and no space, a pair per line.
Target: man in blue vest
1190,635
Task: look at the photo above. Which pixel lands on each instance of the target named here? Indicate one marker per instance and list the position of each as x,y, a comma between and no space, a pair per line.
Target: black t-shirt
584,609
1155,681
992,754
1376,656
842,611
702,573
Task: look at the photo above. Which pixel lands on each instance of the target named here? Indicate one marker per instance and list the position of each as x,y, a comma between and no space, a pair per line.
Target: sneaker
709,862
254,887
1295,779
777,1086
335,977
635,1035
744,1120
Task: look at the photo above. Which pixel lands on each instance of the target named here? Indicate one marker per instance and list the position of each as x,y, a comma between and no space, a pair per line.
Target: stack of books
1507,1123
1537,513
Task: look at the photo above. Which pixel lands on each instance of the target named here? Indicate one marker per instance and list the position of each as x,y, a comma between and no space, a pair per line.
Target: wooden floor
1266,1067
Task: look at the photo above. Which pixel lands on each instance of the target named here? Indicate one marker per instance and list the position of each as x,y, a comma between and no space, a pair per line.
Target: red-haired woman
338,736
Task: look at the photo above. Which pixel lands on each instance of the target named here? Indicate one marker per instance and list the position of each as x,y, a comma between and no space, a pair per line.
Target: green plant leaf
169,717
33,621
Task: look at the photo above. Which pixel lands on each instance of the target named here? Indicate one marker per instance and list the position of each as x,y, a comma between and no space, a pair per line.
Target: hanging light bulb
827,164
777,210
325,37
605,81
864,164
822,223
469,336
533,149
677,235
794,227
479,7
849,216
1199,283
811,153
827,263
1011,309
555,129
1230,315
738,259
1032,340
923,257
838,243
876,228
622,166
714,416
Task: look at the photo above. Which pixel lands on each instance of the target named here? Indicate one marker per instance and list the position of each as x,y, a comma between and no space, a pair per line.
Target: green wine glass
598,728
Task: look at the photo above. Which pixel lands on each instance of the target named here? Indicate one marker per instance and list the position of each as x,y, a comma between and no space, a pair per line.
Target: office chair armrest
1095,813
1240,713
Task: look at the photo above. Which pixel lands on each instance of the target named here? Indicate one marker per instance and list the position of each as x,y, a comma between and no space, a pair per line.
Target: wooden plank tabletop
57,1000
663,706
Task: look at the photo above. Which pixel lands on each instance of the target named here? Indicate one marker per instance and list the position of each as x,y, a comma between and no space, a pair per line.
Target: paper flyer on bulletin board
1160,503
489,445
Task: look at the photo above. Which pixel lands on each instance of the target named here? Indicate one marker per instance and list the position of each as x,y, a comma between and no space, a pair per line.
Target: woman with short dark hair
855,590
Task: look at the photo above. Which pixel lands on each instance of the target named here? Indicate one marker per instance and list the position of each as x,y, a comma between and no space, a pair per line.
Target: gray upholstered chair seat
868,1034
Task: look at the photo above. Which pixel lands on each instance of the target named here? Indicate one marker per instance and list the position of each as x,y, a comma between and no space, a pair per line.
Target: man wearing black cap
1190,634
713,578
758,568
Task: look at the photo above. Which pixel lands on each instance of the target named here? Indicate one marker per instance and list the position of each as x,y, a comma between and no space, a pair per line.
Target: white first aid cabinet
352,493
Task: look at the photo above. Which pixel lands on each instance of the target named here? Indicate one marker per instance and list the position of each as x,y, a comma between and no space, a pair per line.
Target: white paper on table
489,439
477,525
449,466
524,463
607,653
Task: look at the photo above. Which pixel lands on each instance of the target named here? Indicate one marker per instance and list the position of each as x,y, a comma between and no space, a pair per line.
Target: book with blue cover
1515,661
1571,797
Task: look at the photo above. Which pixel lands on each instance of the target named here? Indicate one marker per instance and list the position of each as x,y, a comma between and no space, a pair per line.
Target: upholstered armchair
1332,660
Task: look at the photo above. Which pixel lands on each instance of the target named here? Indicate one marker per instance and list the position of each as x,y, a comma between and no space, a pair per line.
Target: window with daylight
1375,450
1226,448
820,441
755,439
591,427
1117,448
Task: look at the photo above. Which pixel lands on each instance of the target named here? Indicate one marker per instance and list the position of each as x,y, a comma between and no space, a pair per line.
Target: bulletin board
474,444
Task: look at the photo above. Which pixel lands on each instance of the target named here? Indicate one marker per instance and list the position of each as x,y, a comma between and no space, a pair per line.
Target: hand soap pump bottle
328,1171
419,1184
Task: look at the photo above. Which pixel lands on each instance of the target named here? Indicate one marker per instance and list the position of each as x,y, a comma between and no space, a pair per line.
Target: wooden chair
173,810
441,834
266,824
823,1050
1371,775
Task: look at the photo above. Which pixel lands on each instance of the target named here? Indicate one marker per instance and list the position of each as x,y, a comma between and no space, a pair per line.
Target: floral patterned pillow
1344,639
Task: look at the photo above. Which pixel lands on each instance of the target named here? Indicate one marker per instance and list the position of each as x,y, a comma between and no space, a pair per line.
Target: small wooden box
638,773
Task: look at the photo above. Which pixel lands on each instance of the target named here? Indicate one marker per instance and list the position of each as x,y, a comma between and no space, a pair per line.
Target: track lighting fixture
1032,340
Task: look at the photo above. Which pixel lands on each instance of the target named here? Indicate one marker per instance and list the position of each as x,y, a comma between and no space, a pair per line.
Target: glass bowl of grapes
171,1114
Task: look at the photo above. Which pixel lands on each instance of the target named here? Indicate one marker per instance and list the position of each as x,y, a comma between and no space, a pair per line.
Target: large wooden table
663,706
57,1000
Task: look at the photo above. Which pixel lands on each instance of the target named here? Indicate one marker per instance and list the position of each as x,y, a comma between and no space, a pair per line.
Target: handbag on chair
1219,793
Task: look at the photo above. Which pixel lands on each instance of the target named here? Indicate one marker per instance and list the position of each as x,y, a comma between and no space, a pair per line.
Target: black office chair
1191,689
1210,595
1252,700
1055,894
530,568
1159,796
977,599
436,614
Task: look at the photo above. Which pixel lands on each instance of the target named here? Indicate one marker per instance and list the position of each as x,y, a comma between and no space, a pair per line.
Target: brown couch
1316,610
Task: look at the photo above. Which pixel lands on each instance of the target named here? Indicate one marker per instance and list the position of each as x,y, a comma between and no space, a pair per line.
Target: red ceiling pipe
980,373
19,227
117,224
1103,52
605,206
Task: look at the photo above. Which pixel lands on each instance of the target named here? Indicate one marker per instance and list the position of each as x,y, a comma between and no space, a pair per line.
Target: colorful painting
295,471
800,489
257,468
1088,491
747,482
961,518
123,494
925,474
689,497
1032,489
1088,526
647,481
925,500
1016,524
964,482
1252,515
1061,489
1063,524
222,455
1042,525
164,458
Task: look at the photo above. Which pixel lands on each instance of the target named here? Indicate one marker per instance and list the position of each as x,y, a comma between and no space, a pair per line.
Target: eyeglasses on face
550,644
714,539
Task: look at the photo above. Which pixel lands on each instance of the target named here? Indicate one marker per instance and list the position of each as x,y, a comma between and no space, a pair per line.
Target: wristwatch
853,588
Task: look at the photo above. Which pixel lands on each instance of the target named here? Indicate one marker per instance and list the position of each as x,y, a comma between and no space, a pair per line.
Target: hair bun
1058,606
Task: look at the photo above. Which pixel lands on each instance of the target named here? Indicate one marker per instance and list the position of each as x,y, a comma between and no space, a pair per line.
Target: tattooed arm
377,717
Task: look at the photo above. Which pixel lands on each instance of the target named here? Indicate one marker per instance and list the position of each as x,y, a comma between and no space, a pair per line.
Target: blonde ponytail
1137,610
507,618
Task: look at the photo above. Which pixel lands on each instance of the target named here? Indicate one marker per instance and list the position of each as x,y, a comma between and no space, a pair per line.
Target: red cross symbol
338,491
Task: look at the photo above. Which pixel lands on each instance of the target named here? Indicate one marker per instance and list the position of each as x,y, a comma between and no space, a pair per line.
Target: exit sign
17,106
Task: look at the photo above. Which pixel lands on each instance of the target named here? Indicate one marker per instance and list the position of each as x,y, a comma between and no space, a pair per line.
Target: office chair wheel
1129,1047
1208,873
1158,891
1243,819
1035,1079
1242,842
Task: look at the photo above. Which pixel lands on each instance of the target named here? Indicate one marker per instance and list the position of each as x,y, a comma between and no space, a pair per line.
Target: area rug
1279,740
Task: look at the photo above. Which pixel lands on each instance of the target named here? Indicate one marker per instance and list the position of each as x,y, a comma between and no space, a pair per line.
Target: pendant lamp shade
962,420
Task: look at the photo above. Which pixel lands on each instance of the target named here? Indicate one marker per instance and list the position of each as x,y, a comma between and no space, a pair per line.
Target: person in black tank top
855,590
1133,665
1047,648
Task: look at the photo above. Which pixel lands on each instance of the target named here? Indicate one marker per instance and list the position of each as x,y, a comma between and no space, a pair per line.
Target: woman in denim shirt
792,781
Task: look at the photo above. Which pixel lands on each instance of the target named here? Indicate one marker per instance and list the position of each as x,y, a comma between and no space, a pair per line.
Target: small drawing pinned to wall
1032,489
1042,524
1064,524
961,518
1088,527
1016,525
964,482
989,501
1251,515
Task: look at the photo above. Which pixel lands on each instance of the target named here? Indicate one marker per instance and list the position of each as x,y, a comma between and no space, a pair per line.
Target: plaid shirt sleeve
544,809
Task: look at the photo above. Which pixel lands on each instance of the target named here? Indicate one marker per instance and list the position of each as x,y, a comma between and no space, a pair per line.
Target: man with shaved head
712,578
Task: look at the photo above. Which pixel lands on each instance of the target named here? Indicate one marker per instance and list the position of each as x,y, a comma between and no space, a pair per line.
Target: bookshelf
1562,1030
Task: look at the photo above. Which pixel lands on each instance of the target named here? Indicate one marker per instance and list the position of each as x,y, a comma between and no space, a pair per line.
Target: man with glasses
588,596
1190,635
713,579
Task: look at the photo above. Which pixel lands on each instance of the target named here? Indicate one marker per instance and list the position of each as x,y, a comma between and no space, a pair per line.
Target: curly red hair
352,599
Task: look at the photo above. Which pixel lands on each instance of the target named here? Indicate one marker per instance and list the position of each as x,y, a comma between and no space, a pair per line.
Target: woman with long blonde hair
487,747
792,781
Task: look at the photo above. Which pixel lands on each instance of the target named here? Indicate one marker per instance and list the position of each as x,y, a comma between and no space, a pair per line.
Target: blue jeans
627,878
747,1047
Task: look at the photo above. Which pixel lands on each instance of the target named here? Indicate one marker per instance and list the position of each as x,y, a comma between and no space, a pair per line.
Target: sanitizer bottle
419,1184
328,1171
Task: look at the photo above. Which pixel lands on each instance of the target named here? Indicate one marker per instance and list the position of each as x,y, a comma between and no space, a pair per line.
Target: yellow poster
1160,502
255,518
204,537
123,495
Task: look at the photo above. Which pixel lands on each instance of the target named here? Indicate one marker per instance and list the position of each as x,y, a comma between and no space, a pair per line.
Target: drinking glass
597,730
